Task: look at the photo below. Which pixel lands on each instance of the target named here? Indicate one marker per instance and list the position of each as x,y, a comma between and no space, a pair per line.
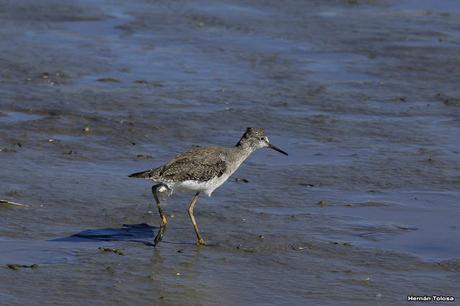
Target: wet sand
362,94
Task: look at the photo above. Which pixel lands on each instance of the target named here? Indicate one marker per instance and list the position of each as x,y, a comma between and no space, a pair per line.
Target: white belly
196,186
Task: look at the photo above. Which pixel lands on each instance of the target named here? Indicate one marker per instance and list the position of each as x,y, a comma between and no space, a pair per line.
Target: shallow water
13,117
363,95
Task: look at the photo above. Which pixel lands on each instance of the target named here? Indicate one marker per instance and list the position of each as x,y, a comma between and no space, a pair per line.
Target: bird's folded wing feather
197,164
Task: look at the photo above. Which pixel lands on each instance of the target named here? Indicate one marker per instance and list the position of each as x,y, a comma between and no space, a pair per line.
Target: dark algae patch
16,267
111,250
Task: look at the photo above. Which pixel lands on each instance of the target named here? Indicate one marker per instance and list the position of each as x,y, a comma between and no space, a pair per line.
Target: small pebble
307,185
243,180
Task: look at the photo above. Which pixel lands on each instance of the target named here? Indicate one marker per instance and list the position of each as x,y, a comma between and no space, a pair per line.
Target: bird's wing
197,164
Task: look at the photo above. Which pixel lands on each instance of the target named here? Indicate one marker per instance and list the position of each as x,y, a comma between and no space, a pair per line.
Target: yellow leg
200,240
163,221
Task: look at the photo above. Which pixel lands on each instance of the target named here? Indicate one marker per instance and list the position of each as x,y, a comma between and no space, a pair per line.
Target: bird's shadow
142,233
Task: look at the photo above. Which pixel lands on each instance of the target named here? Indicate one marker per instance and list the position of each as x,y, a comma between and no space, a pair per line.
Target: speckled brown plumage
197,164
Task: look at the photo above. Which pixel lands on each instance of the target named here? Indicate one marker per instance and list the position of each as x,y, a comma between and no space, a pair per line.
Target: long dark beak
276,149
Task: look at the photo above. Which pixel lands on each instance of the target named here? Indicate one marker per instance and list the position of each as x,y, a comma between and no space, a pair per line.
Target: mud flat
362,94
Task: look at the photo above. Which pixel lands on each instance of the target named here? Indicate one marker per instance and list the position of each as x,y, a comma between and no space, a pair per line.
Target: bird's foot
200,242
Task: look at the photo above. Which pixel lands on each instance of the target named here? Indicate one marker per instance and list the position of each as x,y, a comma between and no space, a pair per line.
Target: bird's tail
142,174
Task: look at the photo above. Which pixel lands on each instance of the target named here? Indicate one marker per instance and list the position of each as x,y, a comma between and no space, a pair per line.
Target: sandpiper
202,169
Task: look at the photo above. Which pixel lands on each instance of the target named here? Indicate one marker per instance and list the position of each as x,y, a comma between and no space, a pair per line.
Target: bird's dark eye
262,138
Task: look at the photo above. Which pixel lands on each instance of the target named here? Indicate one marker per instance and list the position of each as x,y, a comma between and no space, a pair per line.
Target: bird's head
255,138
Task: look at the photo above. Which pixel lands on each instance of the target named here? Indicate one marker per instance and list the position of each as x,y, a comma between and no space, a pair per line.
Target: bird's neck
243,151
237,155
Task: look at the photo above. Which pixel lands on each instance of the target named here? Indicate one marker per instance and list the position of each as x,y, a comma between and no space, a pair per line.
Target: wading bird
202,169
